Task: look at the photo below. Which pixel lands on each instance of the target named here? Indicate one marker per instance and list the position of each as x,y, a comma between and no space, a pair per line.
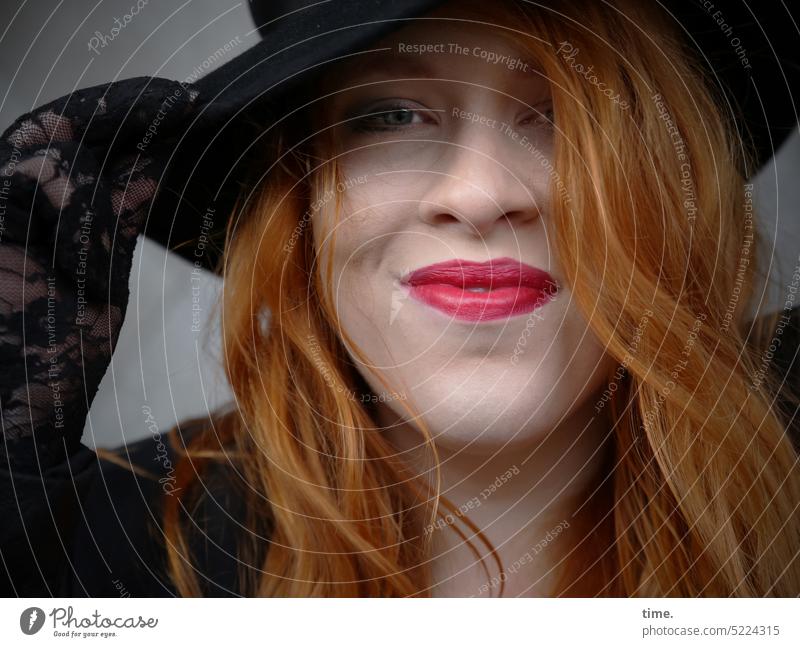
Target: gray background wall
160,362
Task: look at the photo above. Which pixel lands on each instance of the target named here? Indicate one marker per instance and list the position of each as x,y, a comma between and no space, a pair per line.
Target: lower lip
500,303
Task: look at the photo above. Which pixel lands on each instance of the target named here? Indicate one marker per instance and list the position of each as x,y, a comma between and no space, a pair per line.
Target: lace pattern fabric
77,178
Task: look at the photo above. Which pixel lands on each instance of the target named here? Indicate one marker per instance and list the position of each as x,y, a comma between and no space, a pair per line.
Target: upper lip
494,273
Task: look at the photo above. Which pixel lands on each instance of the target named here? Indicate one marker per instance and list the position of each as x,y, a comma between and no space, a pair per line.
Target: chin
477,421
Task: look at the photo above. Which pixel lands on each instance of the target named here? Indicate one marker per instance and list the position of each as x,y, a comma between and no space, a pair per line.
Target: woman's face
444,142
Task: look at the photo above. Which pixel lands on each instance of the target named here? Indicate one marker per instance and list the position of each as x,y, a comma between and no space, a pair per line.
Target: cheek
580,367
351,247
343,211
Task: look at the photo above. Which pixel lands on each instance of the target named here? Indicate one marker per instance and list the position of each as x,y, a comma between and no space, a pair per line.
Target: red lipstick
472,291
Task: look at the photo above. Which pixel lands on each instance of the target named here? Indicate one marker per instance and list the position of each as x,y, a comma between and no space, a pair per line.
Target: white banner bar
401,623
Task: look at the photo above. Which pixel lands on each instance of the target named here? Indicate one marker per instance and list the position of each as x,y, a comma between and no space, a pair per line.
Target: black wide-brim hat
194,138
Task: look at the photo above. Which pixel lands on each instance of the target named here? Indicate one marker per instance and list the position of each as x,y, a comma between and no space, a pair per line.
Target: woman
477,319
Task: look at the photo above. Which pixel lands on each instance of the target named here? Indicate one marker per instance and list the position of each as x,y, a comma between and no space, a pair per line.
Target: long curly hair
654,227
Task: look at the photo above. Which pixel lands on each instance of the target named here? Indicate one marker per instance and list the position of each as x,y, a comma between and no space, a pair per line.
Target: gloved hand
76,183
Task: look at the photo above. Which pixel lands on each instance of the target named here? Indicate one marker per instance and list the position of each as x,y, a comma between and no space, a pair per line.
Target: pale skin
428,184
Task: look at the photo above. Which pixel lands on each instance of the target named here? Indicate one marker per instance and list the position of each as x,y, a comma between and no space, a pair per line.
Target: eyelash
546,117
365,122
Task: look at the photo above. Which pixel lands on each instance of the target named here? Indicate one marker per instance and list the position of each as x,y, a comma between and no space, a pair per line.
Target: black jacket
91,527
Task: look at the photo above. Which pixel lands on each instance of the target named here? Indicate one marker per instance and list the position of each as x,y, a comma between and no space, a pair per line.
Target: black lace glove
77,177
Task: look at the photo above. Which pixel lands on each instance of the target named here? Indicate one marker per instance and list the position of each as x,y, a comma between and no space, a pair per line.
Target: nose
479,184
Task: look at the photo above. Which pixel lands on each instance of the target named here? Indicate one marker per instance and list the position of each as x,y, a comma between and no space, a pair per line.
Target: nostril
443,218
521,217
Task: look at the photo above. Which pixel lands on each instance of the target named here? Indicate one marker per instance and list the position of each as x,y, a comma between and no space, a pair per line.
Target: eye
390,116
543,115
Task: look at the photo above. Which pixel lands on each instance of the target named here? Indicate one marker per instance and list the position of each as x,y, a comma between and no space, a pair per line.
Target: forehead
445,48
